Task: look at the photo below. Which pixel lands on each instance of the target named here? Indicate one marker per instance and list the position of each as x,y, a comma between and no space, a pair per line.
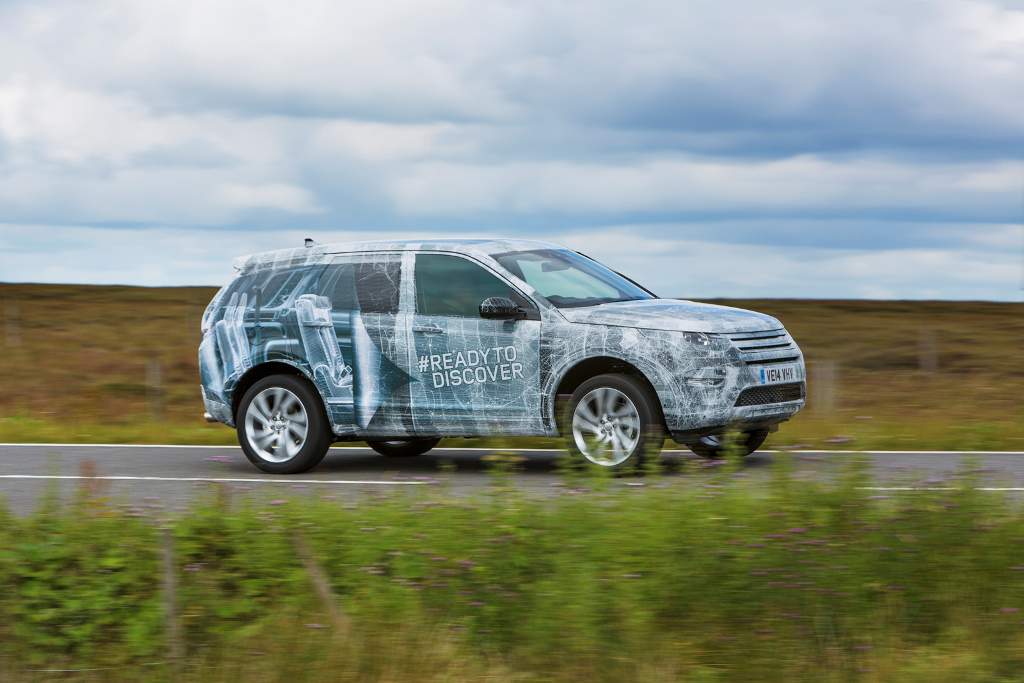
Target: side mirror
500,308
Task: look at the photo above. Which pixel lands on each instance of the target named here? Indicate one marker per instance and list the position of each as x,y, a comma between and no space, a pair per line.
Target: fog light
703,381
707,377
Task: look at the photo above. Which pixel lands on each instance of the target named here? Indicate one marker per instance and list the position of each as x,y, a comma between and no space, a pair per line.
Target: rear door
364,358
471,375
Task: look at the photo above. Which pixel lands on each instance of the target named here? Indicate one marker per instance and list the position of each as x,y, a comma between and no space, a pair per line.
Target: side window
368,283
277,287
378,281
339,285
270,289
450,285
242,283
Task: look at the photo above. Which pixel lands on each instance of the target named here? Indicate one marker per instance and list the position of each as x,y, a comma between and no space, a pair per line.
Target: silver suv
403,343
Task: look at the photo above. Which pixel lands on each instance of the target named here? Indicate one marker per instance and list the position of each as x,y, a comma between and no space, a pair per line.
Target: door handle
428,329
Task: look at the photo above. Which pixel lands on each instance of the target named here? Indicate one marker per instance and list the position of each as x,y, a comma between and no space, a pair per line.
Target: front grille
776,393
765,348
774,361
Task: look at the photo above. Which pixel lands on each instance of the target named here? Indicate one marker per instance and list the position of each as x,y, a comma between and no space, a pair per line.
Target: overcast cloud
867,149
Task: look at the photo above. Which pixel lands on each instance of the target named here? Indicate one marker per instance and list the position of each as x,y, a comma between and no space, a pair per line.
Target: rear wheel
402,448
282,426
612,420
714,445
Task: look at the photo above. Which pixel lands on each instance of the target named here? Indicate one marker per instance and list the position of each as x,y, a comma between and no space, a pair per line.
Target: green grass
705,577
118,364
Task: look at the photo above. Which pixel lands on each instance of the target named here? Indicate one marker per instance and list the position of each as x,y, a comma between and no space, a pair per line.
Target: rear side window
215,311
339,285
454,286
277,288
242,283
369,283
378,282
266,288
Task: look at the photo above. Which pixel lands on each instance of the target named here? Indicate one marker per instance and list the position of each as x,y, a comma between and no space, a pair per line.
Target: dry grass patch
104,363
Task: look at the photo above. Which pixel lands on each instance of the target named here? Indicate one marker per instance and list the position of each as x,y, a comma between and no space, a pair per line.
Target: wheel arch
579,370
274,367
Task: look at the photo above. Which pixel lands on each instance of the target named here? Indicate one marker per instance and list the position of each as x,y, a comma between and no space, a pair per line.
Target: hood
673,314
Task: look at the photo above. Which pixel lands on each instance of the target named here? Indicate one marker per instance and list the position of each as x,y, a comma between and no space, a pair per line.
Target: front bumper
768,412
743,419
743,381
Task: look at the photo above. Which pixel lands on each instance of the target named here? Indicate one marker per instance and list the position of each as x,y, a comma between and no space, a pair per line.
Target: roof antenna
310,243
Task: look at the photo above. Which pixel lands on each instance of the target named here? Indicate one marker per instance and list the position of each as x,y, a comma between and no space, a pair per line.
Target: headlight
697,338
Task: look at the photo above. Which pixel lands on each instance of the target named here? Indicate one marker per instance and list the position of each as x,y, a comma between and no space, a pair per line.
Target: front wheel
714,446
612,420
403,448
282,426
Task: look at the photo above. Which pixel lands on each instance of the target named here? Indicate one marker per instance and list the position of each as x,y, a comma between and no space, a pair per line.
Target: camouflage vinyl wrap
346,317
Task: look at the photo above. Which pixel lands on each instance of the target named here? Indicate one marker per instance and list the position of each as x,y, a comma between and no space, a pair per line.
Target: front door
471,375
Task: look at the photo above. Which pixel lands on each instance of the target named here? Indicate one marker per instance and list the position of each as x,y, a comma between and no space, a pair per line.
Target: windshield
570,280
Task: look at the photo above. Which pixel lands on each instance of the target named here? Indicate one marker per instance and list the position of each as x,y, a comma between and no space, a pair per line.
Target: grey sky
869,149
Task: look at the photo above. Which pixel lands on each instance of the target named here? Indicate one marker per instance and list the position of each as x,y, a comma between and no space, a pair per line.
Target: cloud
870,131
701,185
1008,238
707,269
847,75
672,267
269,196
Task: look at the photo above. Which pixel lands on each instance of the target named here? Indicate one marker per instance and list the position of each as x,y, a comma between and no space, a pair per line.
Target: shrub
719,578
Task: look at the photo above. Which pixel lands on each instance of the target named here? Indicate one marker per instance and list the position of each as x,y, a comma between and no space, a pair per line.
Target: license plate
780,374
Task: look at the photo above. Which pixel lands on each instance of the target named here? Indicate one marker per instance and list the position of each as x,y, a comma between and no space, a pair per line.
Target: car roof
491,245
471,246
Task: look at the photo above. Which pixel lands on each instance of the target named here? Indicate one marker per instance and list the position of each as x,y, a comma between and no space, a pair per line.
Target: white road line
903,452
939,488
336,448
375,482
219,480
109,445
490,449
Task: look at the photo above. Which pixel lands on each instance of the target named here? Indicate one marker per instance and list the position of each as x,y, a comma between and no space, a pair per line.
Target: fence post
824,378
12,324
175,644
154,389
928,351
320,582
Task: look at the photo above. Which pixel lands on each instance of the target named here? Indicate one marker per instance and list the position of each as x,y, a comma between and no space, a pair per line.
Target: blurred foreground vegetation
118,364
665,579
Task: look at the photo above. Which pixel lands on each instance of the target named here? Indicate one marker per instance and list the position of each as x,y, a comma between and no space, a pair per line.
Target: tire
269,423
613,420
403,448
711,447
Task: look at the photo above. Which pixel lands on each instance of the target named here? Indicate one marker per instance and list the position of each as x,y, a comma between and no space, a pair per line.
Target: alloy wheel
606,426
276,424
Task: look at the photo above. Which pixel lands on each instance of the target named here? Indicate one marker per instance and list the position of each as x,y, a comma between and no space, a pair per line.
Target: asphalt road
171,477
